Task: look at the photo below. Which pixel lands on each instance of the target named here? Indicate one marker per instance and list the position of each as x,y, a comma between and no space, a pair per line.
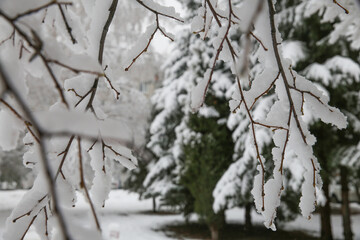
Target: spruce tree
191,150
334,66
207,153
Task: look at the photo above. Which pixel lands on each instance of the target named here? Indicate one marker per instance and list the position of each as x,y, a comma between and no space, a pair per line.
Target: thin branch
26,123
293,75
36,44
46,222
112,87
103,155
35,10
92,146
68,28
22,47
158,28
105,30
46,165
238,106
258,156
285,144
74,91
312,95
115,152
232,51
83,97
64,153
57,85
157,12
30,211
281,68
314,179
12,36
257,39
336,2
75,70
269,126
220,48
83,186
266,91
27,229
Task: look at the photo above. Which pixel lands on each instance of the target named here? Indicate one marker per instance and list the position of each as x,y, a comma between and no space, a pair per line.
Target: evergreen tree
169,104
207,153
191,150
333,65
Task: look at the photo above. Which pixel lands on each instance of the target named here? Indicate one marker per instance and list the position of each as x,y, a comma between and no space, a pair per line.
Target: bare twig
266,91
35,10
83,186
157,12
112,10
112,86
26,123
75,70
258,156
46,221
312,95
64,153
257,39
27,229
74,91
12,36
158,28
68,28
336,2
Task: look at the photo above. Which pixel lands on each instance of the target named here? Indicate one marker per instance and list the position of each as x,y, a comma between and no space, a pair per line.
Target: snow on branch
144,42
51,135
284,117
345,14
73,130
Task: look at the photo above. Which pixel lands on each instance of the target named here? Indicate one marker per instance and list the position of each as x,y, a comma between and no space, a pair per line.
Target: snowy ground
125,217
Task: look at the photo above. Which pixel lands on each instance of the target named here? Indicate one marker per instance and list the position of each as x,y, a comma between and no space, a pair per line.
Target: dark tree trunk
357,190
248,224
214,230
325,213
154,204
345,209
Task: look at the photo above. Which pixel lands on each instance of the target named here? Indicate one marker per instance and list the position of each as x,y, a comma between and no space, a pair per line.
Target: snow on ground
125,217
311,227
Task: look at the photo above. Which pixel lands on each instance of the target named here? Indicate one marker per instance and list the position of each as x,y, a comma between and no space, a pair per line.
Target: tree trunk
248,224
357,187
325,213
214,230
345,209
154,204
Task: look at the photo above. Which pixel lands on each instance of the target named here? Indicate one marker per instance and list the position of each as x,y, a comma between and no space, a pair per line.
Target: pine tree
207,153
333,65
168,111
186,145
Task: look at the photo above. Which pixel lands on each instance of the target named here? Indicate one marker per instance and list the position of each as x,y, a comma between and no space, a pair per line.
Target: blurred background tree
334,66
